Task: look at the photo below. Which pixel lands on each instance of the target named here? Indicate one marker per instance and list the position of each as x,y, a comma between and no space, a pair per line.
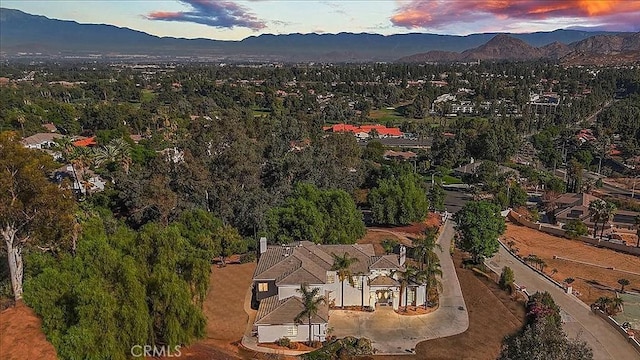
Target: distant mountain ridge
598,49
25,33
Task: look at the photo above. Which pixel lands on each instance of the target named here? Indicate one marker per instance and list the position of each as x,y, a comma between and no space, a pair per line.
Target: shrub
389,245
284,342
248,257
575,229
506,278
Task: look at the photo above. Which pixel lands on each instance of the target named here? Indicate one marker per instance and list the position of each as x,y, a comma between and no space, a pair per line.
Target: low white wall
271,333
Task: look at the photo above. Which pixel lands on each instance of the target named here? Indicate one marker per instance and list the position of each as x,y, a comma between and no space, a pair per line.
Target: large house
41,141
572,206
283,268
366,131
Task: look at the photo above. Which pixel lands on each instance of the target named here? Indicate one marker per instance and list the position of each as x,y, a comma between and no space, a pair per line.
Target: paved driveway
579,321
391,333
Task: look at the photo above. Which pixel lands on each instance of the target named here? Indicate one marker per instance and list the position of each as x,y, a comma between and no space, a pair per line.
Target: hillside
598,49
25,33
502,47
21,335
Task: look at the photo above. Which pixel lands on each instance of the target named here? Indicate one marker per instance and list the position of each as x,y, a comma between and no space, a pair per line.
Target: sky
238,19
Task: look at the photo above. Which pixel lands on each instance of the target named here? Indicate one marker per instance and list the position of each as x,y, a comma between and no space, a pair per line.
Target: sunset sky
234,20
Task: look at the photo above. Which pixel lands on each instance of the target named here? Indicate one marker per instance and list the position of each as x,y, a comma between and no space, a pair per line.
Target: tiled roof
86,142
40,138
383,280
274,312
282,263
385,262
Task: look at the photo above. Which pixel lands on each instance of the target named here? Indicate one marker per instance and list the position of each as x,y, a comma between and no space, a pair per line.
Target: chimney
263,245
403,255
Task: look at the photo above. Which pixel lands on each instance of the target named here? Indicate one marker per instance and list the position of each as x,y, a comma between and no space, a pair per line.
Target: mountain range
22,33
597,49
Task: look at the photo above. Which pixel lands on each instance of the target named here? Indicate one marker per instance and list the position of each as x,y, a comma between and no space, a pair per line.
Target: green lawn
147,95
446,180
385,115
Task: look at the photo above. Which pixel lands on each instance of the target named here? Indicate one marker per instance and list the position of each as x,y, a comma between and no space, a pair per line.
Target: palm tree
623,283
342,265
311,302
607,215
615,305
426,245
429,277
595,211
637,221
116,151
406,276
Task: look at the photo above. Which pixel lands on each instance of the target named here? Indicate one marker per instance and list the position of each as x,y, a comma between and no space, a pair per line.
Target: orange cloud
436,13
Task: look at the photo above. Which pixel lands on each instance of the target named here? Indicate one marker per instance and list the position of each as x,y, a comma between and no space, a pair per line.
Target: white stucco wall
271,333
285,291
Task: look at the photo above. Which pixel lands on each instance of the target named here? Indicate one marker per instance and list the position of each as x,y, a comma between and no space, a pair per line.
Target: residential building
41,141
283,268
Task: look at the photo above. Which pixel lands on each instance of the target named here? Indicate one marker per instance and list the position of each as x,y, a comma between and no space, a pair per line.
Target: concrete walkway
579,321
391,333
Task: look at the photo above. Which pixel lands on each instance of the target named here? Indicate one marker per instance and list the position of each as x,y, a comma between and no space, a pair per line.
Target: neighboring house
572,206
472,168
51,127
81,182
365,131
86,142
399,155
41,141
282,269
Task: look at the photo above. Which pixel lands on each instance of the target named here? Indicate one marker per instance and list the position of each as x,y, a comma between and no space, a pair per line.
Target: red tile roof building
360,131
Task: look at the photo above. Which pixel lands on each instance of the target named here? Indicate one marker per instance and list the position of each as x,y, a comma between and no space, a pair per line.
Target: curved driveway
391,333
579,321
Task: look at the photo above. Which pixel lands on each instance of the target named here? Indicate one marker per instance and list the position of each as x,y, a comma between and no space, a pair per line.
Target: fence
554,230
634,342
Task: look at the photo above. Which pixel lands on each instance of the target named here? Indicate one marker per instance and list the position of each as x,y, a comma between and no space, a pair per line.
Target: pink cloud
438,13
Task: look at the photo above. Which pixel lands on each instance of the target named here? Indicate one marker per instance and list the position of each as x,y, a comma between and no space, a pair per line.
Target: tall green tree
479,224
436,197
34,212
544,341
311,300
342,265
320,216
399,200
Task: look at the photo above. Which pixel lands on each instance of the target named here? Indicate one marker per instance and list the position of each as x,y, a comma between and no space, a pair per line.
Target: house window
331,278
292,331
357,283
262,287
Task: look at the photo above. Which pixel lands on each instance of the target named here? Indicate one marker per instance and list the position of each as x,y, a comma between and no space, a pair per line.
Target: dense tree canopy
34,212
320,216
479,224
543,337
123,287
399,200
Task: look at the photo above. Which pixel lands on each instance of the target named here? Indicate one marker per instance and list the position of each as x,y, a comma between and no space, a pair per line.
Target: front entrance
384,297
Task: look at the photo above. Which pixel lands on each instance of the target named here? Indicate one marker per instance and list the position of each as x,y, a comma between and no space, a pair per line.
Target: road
579,321
391,333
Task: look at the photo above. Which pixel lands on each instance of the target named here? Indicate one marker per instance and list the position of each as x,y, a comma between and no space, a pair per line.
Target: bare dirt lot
492,316
226,318
21,335
591,281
